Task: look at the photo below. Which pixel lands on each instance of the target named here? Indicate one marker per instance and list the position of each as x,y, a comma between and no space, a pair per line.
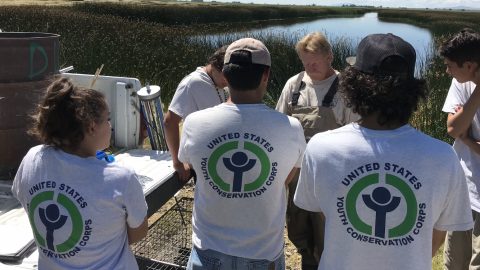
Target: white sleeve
16,184
305,195
19,178
456,214
282,104
135,204
183,102
182,153
300,137
454,97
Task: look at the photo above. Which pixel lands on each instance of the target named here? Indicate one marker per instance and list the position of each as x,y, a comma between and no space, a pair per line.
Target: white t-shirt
312,93
414,182
242,155
86,203
458,94
194,93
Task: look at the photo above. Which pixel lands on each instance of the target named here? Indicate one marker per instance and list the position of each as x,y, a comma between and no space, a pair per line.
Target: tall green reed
430,118
159,53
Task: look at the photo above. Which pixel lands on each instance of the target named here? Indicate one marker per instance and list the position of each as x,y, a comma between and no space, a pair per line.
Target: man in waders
311,97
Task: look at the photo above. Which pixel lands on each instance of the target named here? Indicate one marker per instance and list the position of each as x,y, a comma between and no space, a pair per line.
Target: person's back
92,196
244,153
382,193
84,212
256,147
388,192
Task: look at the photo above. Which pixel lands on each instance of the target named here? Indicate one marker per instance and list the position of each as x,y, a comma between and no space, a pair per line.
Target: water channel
353,27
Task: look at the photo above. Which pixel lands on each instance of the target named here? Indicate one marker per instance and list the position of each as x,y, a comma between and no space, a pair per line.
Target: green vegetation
442,24
438,22
209,13
146,50
164,43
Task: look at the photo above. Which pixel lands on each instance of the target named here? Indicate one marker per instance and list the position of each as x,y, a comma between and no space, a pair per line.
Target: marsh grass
209,13
143,41
438,22
442,24
148,50
430,118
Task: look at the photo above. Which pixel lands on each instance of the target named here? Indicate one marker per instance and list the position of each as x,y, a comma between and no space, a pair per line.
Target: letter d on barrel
33,47
27,60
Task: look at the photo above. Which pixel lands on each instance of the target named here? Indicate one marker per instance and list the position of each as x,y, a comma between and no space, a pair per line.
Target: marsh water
355,28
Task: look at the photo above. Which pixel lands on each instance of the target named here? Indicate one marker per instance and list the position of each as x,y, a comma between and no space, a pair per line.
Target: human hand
458,108
183,171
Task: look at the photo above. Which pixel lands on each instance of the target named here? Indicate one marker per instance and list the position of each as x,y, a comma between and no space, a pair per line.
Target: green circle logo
52,220
239,163
383,203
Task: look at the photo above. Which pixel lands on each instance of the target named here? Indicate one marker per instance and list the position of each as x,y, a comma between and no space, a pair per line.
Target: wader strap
296,92
327,100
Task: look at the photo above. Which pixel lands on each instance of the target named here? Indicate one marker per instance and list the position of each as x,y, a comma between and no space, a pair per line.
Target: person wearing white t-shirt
244,153
85,213
462,57
388,192
201,89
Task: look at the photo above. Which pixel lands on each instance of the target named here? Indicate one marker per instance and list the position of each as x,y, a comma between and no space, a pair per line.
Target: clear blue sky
384,3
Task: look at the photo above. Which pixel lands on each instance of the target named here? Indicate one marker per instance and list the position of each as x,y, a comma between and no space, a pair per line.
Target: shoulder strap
327,100
296,92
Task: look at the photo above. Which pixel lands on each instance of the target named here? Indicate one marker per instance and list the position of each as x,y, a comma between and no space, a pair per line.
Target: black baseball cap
385,55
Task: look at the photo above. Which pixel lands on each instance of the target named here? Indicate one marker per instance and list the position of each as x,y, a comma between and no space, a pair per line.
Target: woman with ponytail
84,212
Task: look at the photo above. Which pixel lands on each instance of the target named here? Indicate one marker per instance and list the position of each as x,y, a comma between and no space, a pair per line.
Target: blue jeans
213,260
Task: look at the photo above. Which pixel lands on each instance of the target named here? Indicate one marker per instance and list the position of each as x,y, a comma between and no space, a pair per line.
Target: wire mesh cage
168,243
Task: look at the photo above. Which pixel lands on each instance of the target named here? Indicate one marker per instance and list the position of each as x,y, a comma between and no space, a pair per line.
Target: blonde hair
314,43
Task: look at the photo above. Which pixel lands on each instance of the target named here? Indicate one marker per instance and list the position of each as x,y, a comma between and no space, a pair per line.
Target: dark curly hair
216,60
392,98
66,112
462,47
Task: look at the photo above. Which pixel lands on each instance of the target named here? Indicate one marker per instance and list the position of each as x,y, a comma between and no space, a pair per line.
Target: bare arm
137,234
322,216
172,134
290,175
470,142
437,240
459,122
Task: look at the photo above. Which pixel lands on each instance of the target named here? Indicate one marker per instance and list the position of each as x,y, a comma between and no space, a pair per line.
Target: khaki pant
305,229
462,248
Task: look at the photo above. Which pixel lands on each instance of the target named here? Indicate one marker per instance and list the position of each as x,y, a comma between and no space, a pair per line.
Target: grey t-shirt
459,94
242,155
194,93
79,209
383,193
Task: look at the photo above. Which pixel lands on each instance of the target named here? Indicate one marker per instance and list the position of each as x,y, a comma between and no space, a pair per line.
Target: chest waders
306,229
315,119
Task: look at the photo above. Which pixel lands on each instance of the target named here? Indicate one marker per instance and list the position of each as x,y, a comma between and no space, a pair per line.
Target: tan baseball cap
260,54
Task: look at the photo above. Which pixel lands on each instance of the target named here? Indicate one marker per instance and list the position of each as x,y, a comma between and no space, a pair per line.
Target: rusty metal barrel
28,60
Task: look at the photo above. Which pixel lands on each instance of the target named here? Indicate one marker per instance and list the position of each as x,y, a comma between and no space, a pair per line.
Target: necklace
224,94
216,88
